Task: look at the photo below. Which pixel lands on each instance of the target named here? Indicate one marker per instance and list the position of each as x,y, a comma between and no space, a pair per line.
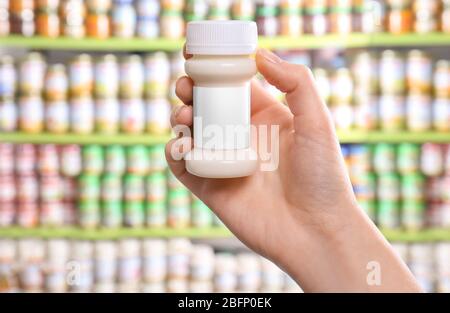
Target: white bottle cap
221,37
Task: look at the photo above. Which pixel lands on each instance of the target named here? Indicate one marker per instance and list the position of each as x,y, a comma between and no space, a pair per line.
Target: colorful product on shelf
105,96
93,186
153,18
392,93
72,18
136,265
123,19
401,185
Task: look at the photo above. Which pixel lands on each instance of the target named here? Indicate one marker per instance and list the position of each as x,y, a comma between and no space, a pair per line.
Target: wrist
324,251
347,258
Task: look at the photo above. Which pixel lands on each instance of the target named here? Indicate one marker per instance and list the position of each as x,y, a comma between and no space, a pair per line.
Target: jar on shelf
98,25
132,116
8,114
388,214
441,114
31,114
123,19
4,18
70,167
57,116
158,163
195,10
8,76
432,159
418,112
374,16
88,187
315,17
441,79
31,74
82,115
147,27
81,76
419,72
137,161
365,110
112,215
148,8
342,86
93,160
157,75
107,114
102,6
73,15
178,205
392,73
50,184
154,267
47,18
147,18
158,116
243,10
400,17
266,18
56,83
445,17
111,188
392,112
106,73
131,77
408,158
22,17
426,19
115,161
365,72
171,24
134,213
7,159
172,5
89,213
219,10
291,20
340,16
25,159
156,187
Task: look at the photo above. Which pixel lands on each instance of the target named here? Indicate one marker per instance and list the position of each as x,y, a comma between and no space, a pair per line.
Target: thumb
302,95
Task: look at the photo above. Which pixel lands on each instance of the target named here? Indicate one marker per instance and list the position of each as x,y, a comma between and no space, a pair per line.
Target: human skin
304,215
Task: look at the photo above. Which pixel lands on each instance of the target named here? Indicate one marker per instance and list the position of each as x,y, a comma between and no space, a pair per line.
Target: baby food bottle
221,67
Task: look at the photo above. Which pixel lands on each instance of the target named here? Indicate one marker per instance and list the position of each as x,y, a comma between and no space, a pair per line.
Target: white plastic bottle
221,68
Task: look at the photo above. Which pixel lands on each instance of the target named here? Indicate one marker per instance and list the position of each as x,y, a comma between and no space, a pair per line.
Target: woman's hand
304,214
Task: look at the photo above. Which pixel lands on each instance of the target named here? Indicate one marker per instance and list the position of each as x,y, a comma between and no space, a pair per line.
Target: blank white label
222,117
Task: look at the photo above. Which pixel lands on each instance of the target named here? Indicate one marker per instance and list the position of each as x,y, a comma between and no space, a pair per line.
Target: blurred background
86,89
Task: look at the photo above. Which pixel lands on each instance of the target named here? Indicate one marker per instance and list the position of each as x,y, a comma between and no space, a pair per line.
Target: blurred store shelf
279,42
114,233
359,136
214,233
347,136
428,235
100,139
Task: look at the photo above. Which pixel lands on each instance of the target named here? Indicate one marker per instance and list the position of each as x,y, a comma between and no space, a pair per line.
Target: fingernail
270,56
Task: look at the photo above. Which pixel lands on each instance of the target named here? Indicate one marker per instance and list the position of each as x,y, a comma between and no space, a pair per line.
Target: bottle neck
206,70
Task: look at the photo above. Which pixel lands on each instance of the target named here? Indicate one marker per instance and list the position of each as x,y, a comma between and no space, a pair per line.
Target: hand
305,209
